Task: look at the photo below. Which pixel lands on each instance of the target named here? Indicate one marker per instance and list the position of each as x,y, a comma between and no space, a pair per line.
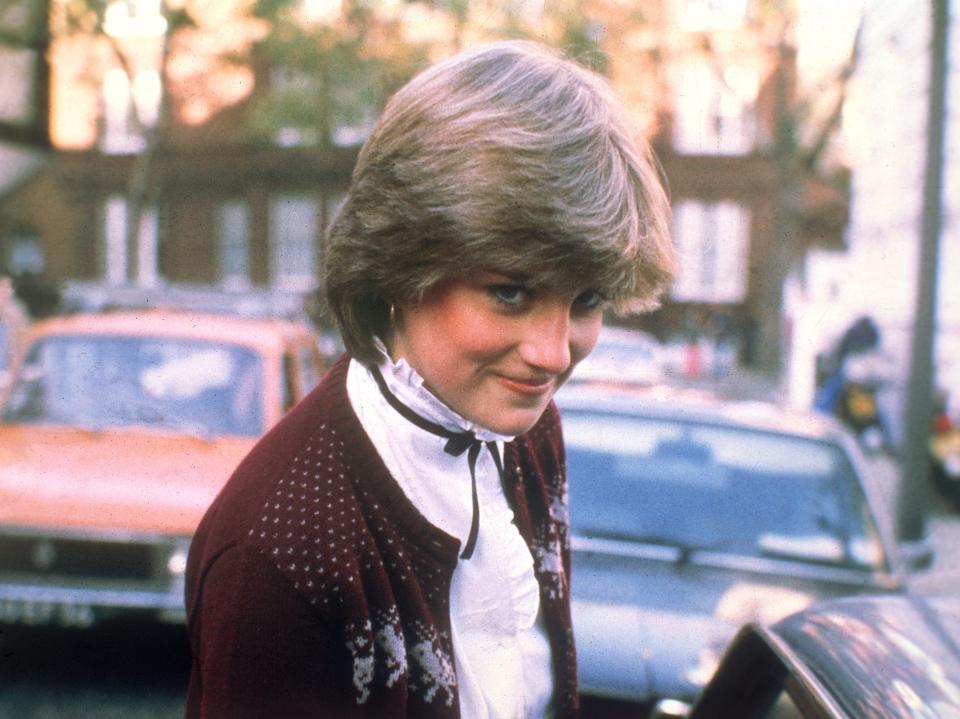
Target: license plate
38,613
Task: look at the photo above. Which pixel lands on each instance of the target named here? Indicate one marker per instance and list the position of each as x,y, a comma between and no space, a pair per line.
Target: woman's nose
546,344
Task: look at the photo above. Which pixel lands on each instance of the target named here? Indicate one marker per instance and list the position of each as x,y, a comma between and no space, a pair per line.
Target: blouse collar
408,386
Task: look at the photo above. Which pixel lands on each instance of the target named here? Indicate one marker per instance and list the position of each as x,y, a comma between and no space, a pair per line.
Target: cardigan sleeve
261,650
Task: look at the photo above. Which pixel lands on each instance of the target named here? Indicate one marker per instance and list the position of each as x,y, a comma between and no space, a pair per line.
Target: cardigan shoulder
315,501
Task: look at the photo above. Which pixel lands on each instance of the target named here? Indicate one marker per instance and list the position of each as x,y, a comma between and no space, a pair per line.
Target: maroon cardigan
315,588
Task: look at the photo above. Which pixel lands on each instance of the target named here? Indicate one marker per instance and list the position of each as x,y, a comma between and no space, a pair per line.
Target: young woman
397,545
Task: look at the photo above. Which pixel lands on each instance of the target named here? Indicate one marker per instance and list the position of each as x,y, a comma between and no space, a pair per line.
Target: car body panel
128,479
670,622
898,657
865,657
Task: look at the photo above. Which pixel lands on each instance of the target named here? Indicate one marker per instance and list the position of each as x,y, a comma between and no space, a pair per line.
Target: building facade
216,209
886,130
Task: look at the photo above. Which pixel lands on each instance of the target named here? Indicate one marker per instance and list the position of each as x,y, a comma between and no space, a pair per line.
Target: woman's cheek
583,338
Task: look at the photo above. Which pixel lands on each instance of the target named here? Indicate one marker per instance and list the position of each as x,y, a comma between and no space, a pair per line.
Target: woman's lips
528,387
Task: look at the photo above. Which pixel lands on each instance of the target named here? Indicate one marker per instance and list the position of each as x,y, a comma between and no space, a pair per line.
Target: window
18,85
147,236
706,15
712,247
714,112
346,106
135,18
115,240
679,483
23,29
294,222
233,245
322,11
128,108
117,267
189,385
24,254
131,100
119,133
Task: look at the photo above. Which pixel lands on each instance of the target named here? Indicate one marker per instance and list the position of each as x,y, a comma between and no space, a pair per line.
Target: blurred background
191,152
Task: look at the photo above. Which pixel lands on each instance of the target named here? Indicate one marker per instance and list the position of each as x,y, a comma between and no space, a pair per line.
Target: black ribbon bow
457,444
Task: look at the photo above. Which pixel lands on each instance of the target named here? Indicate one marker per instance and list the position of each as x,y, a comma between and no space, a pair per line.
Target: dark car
692,518
853,658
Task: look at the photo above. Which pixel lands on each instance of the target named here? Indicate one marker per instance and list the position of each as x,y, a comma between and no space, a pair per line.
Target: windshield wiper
684,550
144,409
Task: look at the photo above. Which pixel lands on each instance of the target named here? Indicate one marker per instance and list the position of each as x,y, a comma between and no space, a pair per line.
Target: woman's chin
513,422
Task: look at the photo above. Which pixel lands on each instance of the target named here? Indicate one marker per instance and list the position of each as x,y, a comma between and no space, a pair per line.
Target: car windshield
98,382
697,486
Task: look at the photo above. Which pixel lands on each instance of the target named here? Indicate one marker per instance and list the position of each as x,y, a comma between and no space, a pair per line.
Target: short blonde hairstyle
505,158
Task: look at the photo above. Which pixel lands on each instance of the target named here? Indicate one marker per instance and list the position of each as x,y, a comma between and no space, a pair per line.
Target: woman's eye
512,295
589,300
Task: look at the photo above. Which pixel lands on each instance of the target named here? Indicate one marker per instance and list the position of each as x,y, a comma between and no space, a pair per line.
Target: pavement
943,531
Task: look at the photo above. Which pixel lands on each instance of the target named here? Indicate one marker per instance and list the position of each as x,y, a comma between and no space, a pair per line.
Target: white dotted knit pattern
310,525
329,541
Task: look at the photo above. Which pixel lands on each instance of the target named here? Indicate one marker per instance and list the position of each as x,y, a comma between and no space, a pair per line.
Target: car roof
871,651
672,403
265,334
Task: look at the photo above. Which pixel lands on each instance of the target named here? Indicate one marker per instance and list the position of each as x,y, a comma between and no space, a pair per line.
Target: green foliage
315,91
581,41
328,81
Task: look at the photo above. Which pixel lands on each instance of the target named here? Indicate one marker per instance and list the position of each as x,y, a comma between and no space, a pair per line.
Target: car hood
125,480
649,628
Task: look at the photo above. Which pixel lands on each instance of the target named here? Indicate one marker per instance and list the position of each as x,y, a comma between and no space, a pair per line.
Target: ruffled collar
408,386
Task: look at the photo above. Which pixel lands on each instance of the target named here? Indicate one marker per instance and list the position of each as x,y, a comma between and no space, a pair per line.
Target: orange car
118,429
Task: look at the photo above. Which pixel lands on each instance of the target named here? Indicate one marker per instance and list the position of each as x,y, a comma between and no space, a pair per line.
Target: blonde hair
505,158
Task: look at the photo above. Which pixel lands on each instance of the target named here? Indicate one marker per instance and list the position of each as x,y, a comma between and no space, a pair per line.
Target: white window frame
294,228
148,246
714,113
117,260
713,248
233,245
116,257
711,15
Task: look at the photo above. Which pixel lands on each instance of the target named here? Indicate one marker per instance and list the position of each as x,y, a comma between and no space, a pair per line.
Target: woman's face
494,349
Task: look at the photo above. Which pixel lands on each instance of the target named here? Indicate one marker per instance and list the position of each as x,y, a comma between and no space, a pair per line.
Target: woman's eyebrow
499,276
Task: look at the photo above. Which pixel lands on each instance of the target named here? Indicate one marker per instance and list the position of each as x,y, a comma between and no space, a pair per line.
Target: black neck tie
457,444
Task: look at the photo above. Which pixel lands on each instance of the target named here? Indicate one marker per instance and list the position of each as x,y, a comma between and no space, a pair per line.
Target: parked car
852,658
117,432
690,518
623,355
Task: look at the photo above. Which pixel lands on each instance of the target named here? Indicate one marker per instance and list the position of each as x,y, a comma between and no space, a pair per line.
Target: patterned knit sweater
315,588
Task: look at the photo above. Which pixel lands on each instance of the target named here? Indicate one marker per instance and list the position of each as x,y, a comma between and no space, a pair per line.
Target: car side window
308,367
784,708
289,382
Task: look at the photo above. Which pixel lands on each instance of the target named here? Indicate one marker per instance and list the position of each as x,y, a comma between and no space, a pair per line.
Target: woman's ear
392,329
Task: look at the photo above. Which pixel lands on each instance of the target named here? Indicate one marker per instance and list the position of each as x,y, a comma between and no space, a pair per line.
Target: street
943,529
943,533
122,671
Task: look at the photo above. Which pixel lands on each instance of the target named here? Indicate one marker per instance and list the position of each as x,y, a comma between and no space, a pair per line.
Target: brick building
229,213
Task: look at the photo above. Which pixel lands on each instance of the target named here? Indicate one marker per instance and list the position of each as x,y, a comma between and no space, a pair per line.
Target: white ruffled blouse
501,650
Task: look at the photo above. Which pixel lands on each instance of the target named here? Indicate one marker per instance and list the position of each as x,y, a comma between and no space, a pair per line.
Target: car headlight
177,561
952,465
